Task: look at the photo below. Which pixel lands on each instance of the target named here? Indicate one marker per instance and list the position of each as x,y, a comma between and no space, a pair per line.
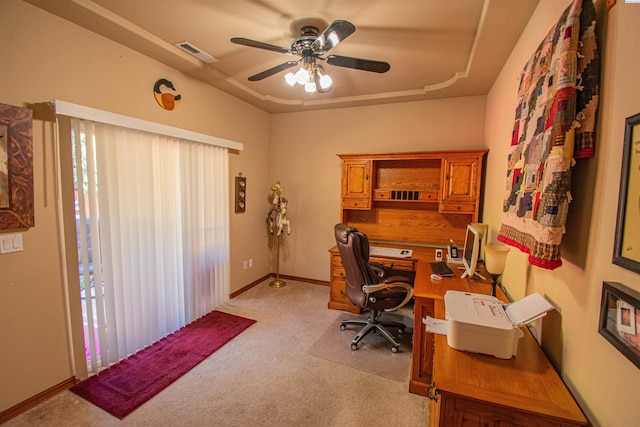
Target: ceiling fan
310,45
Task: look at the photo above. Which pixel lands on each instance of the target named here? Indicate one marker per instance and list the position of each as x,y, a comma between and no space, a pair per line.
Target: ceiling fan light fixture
290,78
310,87
302,76
309,46
326,81
323,79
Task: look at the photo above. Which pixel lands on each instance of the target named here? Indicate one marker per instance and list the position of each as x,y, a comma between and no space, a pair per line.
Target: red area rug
123,387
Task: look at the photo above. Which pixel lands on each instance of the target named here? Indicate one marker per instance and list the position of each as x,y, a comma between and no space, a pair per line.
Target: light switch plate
10,243
17,242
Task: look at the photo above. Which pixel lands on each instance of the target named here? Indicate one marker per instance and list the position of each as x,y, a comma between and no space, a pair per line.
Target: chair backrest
354,251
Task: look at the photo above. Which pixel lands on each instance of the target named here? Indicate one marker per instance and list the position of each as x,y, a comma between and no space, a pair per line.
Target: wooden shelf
405,195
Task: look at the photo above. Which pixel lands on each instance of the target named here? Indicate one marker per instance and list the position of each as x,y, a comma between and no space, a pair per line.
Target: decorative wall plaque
16,168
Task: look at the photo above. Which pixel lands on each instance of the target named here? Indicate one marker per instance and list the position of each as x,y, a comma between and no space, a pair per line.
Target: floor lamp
495,261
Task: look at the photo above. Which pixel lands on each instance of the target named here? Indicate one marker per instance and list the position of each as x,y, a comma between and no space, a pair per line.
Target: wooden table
473,389
468,389
427,292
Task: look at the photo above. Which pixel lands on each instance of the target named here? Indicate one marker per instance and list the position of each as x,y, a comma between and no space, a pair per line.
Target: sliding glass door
153,235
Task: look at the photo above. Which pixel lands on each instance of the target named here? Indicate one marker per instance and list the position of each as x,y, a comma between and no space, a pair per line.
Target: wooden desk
427,292
473,389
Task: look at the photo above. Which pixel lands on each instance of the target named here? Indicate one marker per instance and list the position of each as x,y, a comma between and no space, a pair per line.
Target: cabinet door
356,184
422,353
456,410
460,190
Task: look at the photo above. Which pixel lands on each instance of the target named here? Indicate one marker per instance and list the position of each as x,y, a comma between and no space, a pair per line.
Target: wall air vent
197,52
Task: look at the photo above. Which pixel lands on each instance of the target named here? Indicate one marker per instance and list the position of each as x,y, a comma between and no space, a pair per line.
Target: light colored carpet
265,376
374,353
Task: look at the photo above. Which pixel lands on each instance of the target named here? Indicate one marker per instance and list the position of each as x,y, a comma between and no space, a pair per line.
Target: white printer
482,324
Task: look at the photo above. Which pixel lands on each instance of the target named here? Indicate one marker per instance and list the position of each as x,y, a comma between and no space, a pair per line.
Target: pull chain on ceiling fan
310,46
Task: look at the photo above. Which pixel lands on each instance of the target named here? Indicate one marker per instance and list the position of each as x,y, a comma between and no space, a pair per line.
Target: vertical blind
153,232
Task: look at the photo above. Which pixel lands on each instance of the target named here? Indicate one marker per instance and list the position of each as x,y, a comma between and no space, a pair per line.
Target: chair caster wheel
394,349
354,346
343,327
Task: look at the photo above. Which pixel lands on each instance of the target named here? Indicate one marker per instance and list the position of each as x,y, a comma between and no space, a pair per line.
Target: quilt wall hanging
555,118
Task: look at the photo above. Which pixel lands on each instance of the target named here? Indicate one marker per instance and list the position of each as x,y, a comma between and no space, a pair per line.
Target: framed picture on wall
16,168
626,251
619,318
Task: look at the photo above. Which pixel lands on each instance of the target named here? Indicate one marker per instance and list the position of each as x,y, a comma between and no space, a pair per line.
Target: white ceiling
436,48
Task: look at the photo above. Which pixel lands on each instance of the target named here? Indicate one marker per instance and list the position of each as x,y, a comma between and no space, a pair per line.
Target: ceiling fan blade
334,34
272,71
359,64
259,45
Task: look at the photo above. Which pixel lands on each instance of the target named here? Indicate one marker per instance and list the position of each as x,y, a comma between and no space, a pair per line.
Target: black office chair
369,287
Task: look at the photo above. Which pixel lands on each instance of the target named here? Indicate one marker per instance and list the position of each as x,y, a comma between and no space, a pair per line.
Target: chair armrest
392,274
396,279
378,268
369,289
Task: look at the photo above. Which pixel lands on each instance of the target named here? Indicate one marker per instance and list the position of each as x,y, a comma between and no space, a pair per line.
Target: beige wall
46,58
601,378
303,157
50,58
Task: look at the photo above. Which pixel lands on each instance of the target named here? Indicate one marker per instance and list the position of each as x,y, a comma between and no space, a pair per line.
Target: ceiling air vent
198,53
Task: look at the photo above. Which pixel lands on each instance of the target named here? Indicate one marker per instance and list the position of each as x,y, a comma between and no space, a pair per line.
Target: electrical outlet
250,262
246,264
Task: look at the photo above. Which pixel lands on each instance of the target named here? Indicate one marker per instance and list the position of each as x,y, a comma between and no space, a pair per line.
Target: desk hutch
419,197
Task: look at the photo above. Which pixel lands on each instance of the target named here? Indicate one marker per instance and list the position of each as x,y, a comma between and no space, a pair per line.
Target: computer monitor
474,237
483,231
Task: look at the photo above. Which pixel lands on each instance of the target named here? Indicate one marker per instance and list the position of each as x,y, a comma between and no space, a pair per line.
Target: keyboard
441,268
390,252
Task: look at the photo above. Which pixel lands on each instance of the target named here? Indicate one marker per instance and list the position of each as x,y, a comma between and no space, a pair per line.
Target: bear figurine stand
276,222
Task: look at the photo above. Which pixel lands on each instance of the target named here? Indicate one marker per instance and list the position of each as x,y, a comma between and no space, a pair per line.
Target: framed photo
16,168
620,318
626,251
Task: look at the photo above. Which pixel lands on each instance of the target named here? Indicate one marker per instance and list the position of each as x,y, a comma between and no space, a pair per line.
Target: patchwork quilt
554,124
